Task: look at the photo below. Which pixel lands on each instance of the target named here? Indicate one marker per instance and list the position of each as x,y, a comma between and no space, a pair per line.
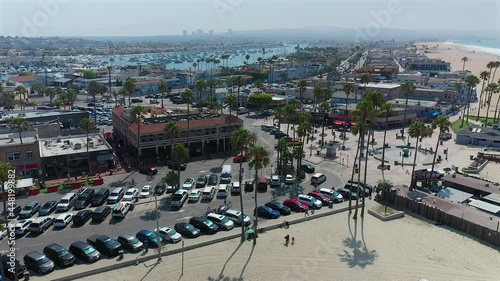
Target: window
29,155
13,156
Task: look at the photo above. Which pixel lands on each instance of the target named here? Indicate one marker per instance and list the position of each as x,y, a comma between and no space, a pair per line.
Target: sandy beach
332,248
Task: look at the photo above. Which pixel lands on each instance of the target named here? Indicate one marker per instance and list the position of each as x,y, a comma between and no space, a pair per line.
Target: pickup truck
105,244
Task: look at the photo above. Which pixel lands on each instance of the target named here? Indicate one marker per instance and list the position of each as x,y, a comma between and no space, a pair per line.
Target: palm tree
115,96
21,125
471,81
71,96
51,93
239,82
464,59
365,79
22,92
324,108
187,97
318,93
162,88
495,91
231,100
496,65
172,131
302,88
443,124
240,141
483,76
386,109
491,88
137,112
419,131
360,129
110,68
408,89
348,89
200,87
247,57
279,114
129,87
94,88
259,159
180,155
87,124
490,66
385,186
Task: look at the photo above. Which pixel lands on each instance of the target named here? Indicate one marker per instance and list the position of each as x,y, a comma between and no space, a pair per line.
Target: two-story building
23,157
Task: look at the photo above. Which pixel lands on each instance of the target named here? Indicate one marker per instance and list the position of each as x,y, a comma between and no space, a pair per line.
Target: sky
171,17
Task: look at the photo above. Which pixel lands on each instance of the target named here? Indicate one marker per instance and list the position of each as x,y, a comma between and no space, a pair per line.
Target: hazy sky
171,17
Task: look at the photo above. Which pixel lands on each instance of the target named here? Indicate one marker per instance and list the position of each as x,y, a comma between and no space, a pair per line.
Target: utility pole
157,227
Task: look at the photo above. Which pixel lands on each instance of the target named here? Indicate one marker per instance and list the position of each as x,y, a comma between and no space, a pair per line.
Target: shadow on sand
358,253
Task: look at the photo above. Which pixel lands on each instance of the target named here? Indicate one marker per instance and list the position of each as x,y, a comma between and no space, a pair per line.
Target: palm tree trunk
189,128
413,180
239,102
496,109
241,200
353,170
404,118
434,158
23,154
88,155
488,108
383,145
364,176
255,201
362,140
468,103
480,100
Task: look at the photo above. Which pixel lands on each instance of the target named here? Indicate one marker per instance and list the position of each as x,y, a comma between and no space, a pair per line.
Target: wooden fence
441,217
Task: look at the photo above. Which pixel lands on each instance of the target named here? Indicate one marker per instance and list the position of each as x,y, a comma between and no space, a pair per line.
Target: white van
243,110
66,202
318,179
208,193
225,176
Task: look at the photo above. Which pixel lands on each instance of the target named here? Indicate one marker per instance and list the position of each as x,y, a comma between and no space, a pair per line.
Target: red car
321,197
240,158
295,205
147,170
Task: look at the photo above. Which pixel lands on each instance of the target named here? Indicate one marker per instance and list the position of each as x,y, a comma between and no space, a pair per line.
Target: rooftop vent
77,146
91,144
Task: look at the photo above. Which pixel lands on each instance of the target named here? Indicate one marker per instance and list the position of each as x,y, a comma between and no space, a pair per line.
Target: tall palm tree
483,76
408,88
110,68
88,125
180,155
260,158
419,131
240,141
137,112
51,93
172,131
21,125
239,82
200,87
318,93
187,97
471,81
247,57
495,90
279,115
464,59
490,66
231,100
22,92
443,125
348,89
386,110
365,79
358,129
71,96
94,88
162,88
496,64
324,108
129,87
490,89
302,88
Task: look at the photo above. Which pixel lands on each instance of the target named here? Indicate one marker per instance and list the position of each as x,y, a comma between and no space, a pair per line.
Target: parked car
237,217
187,230
201,181
29,210
116,195
82,217
18,268
213,179
131,195
83,201
240,158
332,194
100,197
38,262
308,168
170,235
105,244
249,186
59,255
121,209
346,193
325,200
204,225
66,203
145,191
223,190
188,184
179,198
22,226
84,251
194,196
63,220
289,179
275,181
284,210
12,212
160,188
101,213
148,170
48,208
41,224
149,236
130,242
267,212
221,221
445,136
235,187
136,100
295,205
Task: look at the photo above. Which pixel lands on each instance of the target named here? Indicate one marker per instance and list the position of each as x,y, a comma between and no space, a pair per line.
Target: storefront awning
105,157
28,167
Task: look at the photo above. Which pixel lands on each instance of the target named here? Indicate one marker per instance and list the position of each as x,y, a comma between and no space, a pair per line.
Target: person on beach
287,239
306,213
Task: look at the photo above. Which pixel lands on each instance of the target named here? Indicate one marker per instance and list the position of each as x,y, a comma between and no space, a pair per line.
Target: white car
236,188
194,196
237,217
145,192
221,221
22,226
170,189
310,201
289,179
63,220
223,190
179,197
275,181
188,183
169,234
131,194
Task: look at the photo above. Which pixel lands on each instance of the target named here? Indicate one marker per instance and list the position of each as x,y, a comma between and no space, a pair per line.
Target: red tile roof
21,79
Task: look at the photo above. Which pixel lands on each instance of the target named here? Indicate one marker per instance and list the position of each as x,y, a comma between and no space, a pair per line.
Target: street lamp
157,227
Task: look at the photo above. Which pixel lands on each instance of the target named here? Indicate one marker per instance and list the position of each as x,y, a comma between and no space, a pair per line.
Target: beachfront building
456,85
209,132
415,77
479,136
429,66
424,110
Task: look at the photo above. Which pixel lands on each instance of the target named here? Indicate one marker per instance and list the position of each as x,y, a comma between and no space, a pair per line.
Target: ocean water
486,46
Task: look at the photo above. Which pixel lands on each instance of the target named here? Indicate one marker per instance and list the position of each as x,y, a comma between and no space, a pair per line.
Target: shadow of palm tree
216,170
149,216
360,256
164,204
224,278
245,266
230,257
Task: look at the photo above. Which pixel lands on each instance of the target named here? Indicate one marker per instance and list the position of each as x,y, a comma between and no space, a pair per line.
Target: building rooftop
412,102
22,79
28,114
72,144
12,138
382,85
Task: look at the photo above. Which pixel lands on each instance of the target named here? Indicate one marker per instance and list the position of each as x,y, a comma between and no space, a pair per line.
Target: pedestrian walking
287,239
306,213
146,247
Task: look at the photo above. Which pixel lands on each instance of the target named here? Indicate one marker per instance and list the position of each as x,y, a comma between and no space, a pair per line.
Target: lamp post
157,227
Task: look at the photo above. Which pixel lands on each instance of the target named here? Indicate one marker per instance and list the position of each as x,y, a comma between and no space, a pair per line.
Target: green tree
110,68
162,88
443,125
39,88
172,131
180,155
71,96
387,109
26,73
464,59
129,87
419,131
51,93
137,113
262,100
200,87
187,97
89,74
94,88
365,79
87,125
302,88
385,187
172,179
115,96
123,93
260,158
239,82
231,100
408,88
21,125
279,115
22,92
240,141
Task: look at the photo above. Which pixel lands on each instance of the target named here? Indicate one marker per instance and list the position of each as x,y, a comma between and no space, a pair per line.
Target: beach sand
332,248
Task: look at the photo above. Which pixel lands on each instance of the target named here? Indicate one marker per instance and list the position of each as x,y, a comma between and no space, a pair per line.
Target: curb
192,247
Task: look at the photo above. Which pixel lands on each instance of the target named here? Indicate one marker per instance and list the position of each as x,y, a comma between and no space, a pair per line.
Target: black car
100,197
202,181
101,213
84,251
284,210
84,199
12,212
308,168
213,179
176,166
13,266
160,188
105,244
136,100
187,230
60,255
130,242
204,225
82,217
249,186
48,208
38,262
